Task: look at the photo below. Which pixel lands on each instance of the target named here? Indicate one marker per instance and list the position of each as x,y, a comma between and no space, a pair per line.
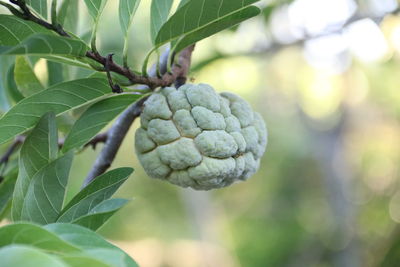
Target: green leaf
55,72
95,7
11,87
6,190
63,11
68,15
112,257
25,79
158,15
80,260
77,236
100,189
73,61
59,98
14,30
217,26
196,15
65,122
39,149
96,118
127,10
48,44
45,195
73,245
101,213
182,3
92,244
4,105
6,212
4,67
17,255
40,6
31,234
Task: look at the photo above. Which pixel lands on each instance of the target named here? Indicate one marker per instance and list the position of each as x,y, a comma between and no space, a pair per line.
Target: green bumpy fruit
194,137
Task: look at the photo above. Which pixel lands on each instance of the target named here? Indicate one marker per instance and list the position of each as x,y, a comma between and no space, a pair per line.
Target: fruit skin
194,137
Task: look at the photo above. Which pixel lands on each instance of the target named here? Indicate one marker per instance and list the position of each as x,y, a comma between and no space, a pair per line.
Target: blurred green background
325,75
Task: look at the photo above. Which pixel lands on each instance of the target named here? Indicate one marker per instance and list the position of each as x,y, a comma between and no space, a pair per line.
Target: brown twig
151,82
100,138
115,87
12,148
19,140
26,14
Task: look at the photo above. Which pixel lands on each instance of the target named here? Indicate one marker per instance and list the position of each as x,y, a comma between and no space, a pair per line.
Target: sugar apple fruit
194,137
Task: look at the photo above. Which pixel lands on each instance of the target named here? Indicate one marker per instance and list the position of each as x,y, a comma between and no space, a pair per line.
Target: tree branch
183,66
6,156
100,138
19,140
120,128
26,14
108,65
117,134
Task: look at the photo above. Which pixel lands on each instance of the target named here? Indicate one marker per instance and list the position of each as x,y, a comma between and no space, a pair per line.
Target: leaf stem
54,13
146,62
170,59
94,37
125,52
